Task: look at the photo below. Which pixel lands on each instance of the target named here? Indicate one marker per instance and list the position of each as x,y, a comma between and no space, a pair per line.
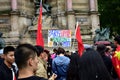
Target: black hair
60,51
101,49
92,67
23,53
107,49
54,50
40,49
117,38
8,49
113,46
72,72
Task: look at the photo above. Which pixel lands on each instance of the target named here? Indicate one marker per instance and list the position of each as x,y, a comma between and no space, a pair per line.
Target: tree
110,14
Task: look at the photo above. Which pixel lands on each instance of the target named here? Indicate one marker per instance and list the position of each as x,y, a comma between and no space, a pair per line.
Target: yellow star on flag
117,54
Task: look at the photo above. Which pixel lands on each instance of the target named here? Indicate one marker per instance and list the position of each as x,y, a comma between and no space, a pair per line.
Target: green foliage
110,14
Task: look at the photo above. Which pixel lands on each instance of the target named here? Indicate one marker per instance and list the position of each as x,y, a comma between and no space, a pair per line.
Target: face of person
110,49
9,57
45,57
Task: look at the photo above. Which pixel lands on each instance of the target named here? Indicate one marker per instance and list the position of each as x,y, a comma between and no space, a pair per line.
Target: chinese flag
116,62
79,40
39,38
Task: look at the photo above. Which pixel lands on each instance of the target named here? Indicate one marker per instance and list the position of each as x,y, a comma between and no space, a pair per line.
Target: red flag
79,40
39,38
116,61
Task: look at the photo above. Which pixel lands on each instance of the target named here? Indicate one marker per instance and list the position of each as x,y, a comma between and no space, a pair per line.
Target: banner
59,38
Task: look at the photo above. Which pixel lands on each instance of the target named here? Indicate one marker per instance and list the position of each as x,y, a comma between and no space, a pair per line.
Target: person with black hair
42,64
60,64
49,62
92,67
101,48
26,60
54,55
108,51
7,70
72,72
116,56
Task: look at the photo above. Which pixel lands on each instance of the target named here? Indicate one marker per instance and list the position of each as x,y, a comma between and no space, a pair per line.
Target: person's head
40,50
8,54
67,53
60,51
108,49
101,49
92,66
26,57
117,40
47,54
113,46
55,50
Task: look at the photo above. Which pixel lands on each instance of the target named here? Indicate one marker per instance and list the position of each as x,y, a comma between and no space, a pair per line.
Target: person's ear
31,62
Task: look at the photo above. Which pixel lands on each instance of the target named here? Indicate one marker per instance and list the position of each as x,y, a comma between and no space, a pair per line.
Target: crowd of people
33,62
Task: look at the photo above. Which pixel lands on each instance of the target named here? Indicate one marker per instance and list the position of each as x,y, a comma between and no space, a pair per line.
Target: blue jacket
59,66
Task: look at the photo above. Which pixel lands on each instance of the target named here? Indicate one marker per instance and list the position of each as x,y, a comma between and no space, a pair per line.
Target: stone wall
15,16
5,5
26,7
64,15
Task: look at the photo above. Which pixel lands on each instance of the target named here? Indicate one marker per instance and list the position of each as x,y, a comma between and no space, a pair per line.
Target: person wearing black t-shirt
7,70
26,60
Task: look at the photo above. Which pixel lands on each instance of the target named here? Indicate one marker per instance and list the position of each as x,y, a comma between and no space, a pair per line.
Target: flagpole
74,39
40,3
76,27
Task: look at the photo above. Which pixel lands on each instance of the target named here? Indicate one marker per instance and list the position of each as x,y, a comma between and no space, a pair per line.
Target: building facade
18,19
